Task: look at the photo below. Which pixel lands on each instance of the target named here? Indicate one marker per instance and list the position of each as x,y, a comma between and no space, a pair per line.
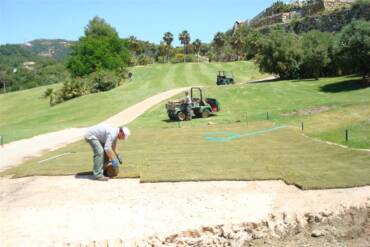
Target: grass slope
326,107
25,113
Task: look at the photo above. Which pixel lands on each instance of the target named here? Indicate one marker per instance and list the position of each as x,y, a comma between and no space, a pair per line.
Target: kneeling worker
103,141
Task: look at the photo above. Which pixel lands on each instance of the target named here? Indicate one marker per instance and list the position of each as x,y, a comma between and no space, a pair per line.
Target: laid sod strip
183,154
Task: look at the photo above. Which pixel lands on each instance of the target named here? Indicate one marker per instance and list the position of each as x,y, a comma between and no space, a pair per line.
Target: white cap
126,131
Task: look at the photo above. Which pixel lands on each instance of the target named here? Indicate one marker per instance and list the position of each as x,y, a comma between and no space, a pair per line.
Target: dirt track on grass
44,211
16,152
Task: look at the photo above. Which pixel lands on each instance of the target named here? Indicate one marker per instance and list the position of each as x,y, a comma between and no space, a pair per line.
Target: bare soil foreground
56,211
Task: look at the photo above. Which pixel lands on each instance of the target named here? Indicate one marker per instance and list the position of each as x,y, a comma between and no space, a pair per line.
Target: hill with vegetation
20,69
57,49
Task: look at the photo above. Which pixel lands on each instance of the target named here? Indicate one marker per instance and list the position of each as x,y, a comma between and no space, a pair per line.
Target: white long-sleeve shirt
106,134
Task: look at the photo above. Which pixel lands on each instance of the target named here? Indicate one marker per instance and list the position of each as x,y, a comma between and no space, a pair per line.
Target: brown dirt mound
348,228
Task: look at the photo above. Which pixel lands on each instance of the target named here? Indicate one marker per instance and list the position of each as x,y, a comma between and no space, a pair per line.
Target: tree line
98,61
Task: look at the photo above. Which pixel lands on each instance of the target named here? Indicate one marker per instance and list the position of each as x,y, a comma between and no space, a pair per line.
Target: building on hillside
48,53
315,6
300,9
239,24
29,65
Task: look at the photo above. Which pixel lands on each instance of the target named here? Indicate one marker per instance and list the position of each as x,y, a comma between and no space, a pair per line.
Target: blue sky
25,20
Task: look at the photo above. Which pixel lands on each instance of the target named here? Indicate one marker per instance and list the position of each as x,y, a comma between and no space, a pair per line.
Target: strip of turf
184,154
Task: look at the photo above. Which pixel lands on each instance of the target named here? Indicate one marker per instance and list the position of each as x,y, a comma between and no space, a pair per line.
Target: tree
252,43
184,37
99,49
315,53
197,45
135,45
168,38
237,43
281,54
219,42
354,47
98,27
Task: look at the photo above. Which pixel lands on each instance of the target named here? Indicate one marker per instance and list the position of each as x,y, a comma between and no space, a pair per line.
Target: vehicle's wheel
205,114
181,116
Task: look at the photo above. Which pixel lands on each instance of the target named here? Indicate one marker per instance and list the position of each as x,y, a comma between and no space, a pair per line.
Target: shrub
102,81
179,58
71,89
144,60
190,58
96,82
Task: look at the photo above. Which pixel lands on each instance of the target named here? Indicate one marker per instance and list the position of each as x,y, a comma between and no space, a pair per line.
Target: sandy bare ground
42,211
16,152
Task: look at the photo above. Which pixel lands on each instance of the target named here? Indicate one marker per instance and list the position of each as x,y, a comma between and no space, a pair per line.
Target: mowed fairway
25,113
185,154
326,107
160,150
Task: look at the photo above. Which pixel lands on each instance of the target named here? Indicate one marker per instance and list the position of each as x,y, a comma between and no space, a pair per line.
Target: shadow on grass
303,80
344,86
85,175
193,119
266,81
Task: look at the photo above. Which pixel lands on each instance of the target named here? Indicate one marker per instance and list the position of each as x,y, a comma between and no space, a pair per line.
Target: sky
25,20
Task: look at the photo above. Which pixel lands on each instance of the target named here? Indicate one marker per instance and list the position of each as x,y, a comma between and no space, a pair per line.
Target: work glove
115,163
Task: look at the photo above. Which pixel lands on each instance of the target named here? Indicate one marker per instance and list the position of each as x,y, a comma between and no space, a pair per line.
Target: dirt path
39,211
16,152
269,78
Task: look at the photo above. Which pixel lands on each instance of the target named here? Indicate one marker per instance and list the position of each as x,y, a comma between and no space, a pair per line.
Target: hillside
303,16
25,66
15,55
50,48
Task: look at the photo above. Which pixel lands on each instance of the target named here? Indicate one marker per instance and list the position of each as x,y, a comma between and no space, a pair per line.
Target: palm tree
219,41
49,93
135,45
168,38
197,44
184,37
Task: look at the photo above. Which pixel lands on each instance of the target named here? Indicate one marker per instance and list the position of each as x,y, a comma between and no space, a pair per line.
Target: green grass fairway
160,150
326,108
184,154
25,113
